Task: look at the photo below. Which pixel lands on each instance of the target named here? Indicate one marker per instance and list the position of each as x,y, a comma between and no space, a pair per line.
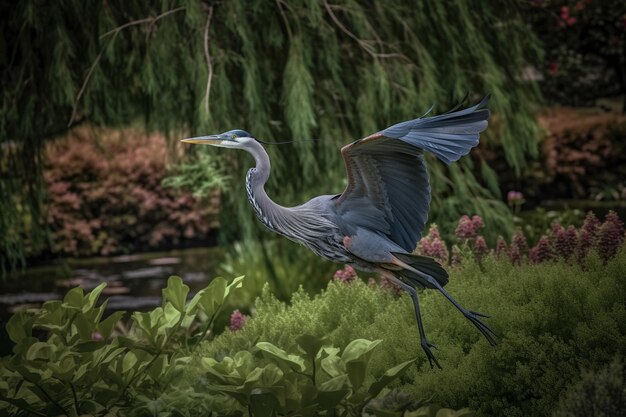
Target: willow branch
207,55
365,45
151,20
279,4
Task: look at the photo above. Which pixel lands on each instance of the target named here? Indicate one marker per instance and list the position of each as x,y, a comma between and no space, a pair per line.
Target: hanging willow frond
330,69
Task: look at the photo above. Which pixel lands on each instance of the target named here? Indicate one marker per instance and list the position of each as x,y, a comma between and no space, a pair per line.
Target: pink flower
432,245
610,236
542,252
565,241
467,229
501,247
564,12
587,236
515,255
514,197
480,248
347,274
237,320
96,336
519,240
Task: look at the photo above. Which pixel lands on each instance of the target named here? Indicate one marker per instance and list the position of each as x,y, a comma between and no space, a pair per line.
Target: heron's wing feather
388,188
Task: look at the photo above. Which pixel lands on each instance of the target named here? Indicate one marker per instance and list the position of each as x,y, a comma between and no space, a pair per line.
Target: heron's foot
426,345
474,317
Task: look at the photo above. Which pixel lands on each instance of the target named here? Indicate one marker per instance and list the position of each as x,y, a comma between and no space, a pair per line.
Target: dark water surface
134,282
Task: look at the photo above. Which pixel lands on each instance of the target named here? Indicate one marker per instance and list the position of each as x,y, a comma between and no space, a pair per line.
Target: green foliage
600,393
81,369
315,379
553,319
202,175
379,64
278,262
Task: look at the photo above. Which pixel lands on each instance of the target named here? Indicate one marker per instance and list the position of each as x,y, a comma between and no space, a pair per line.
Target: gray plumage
376,223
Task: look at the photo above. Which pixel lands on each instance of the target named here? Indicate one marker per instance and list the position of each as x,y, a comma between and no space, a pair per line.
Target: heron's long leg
426,345
472,316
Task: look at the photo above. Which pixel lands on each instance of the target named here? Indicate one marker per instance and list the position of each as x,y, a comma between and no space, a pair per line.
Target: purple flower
237,320
96,336
515,255
542,252
519,240
610,236
432,245
565,241
587,236
514,197
480,248
347,274
467,229
501,247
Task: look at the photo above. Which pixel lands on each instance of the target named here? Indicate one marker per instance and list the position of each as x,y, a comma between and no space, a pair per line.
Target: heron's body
376,222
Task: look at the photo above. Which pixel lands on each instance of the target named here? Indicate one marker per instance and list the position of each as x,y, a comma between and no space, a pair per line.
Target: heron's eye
233,136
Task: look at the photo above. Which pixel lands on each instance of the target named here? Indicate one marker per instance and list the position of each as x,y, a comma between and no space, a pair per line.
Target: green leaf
213,296
39,350
176,292
271,375
93,296
192,306
19,326
356,373
388,377
282,356
311,345
74,298
333,366
129,362
332,392
105,327
359,349
236,283
334,384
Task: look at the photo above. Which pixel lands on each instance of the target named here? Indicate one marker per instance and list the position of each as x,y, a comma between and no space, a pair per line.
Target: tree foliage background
330,69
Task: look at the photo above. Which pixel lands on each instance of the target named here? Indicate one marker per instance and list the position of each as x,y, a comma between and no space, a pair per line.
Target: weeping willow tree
330,69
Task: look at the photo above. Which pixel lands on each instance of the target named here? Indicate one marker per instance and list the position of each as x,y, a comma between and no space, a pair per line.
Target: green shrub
600,393
554,318
76,371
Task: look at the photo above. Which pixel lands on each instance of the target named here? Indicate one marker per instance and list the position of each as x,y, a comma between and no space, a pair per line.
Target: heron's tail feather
448,136
423,264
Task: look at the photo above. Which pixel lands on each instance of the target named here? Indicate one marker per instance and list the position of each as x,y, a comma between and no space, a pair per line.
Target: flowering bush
106,196
566,243
584,43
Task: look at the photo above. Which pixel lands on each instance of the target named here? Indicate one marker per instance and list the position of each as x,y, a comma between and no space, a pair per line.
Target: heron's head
237,138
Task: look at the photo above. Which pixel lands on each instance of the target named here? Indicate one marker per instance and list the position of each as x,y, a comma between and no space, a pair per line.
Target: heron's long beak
205,140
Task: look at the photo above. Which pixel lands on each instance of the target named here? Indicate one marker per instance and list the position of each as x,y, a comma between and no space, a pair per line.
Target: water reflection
134,282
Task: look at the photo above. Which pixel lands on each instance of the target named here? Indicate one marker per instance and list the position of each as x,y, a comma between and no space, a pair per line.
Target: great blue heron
375,224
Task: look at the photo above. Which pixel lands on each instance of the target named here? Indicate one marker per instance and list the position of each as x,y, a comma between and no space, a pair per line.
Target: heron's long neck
268,212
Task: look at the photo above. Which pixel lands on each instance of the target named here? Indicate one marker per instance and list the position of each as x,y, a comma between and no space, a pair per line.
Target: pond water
134,282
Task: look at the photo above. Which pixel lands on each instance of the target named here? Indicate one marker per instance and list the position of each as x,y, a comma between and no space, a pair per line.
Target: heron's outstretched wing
388,189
